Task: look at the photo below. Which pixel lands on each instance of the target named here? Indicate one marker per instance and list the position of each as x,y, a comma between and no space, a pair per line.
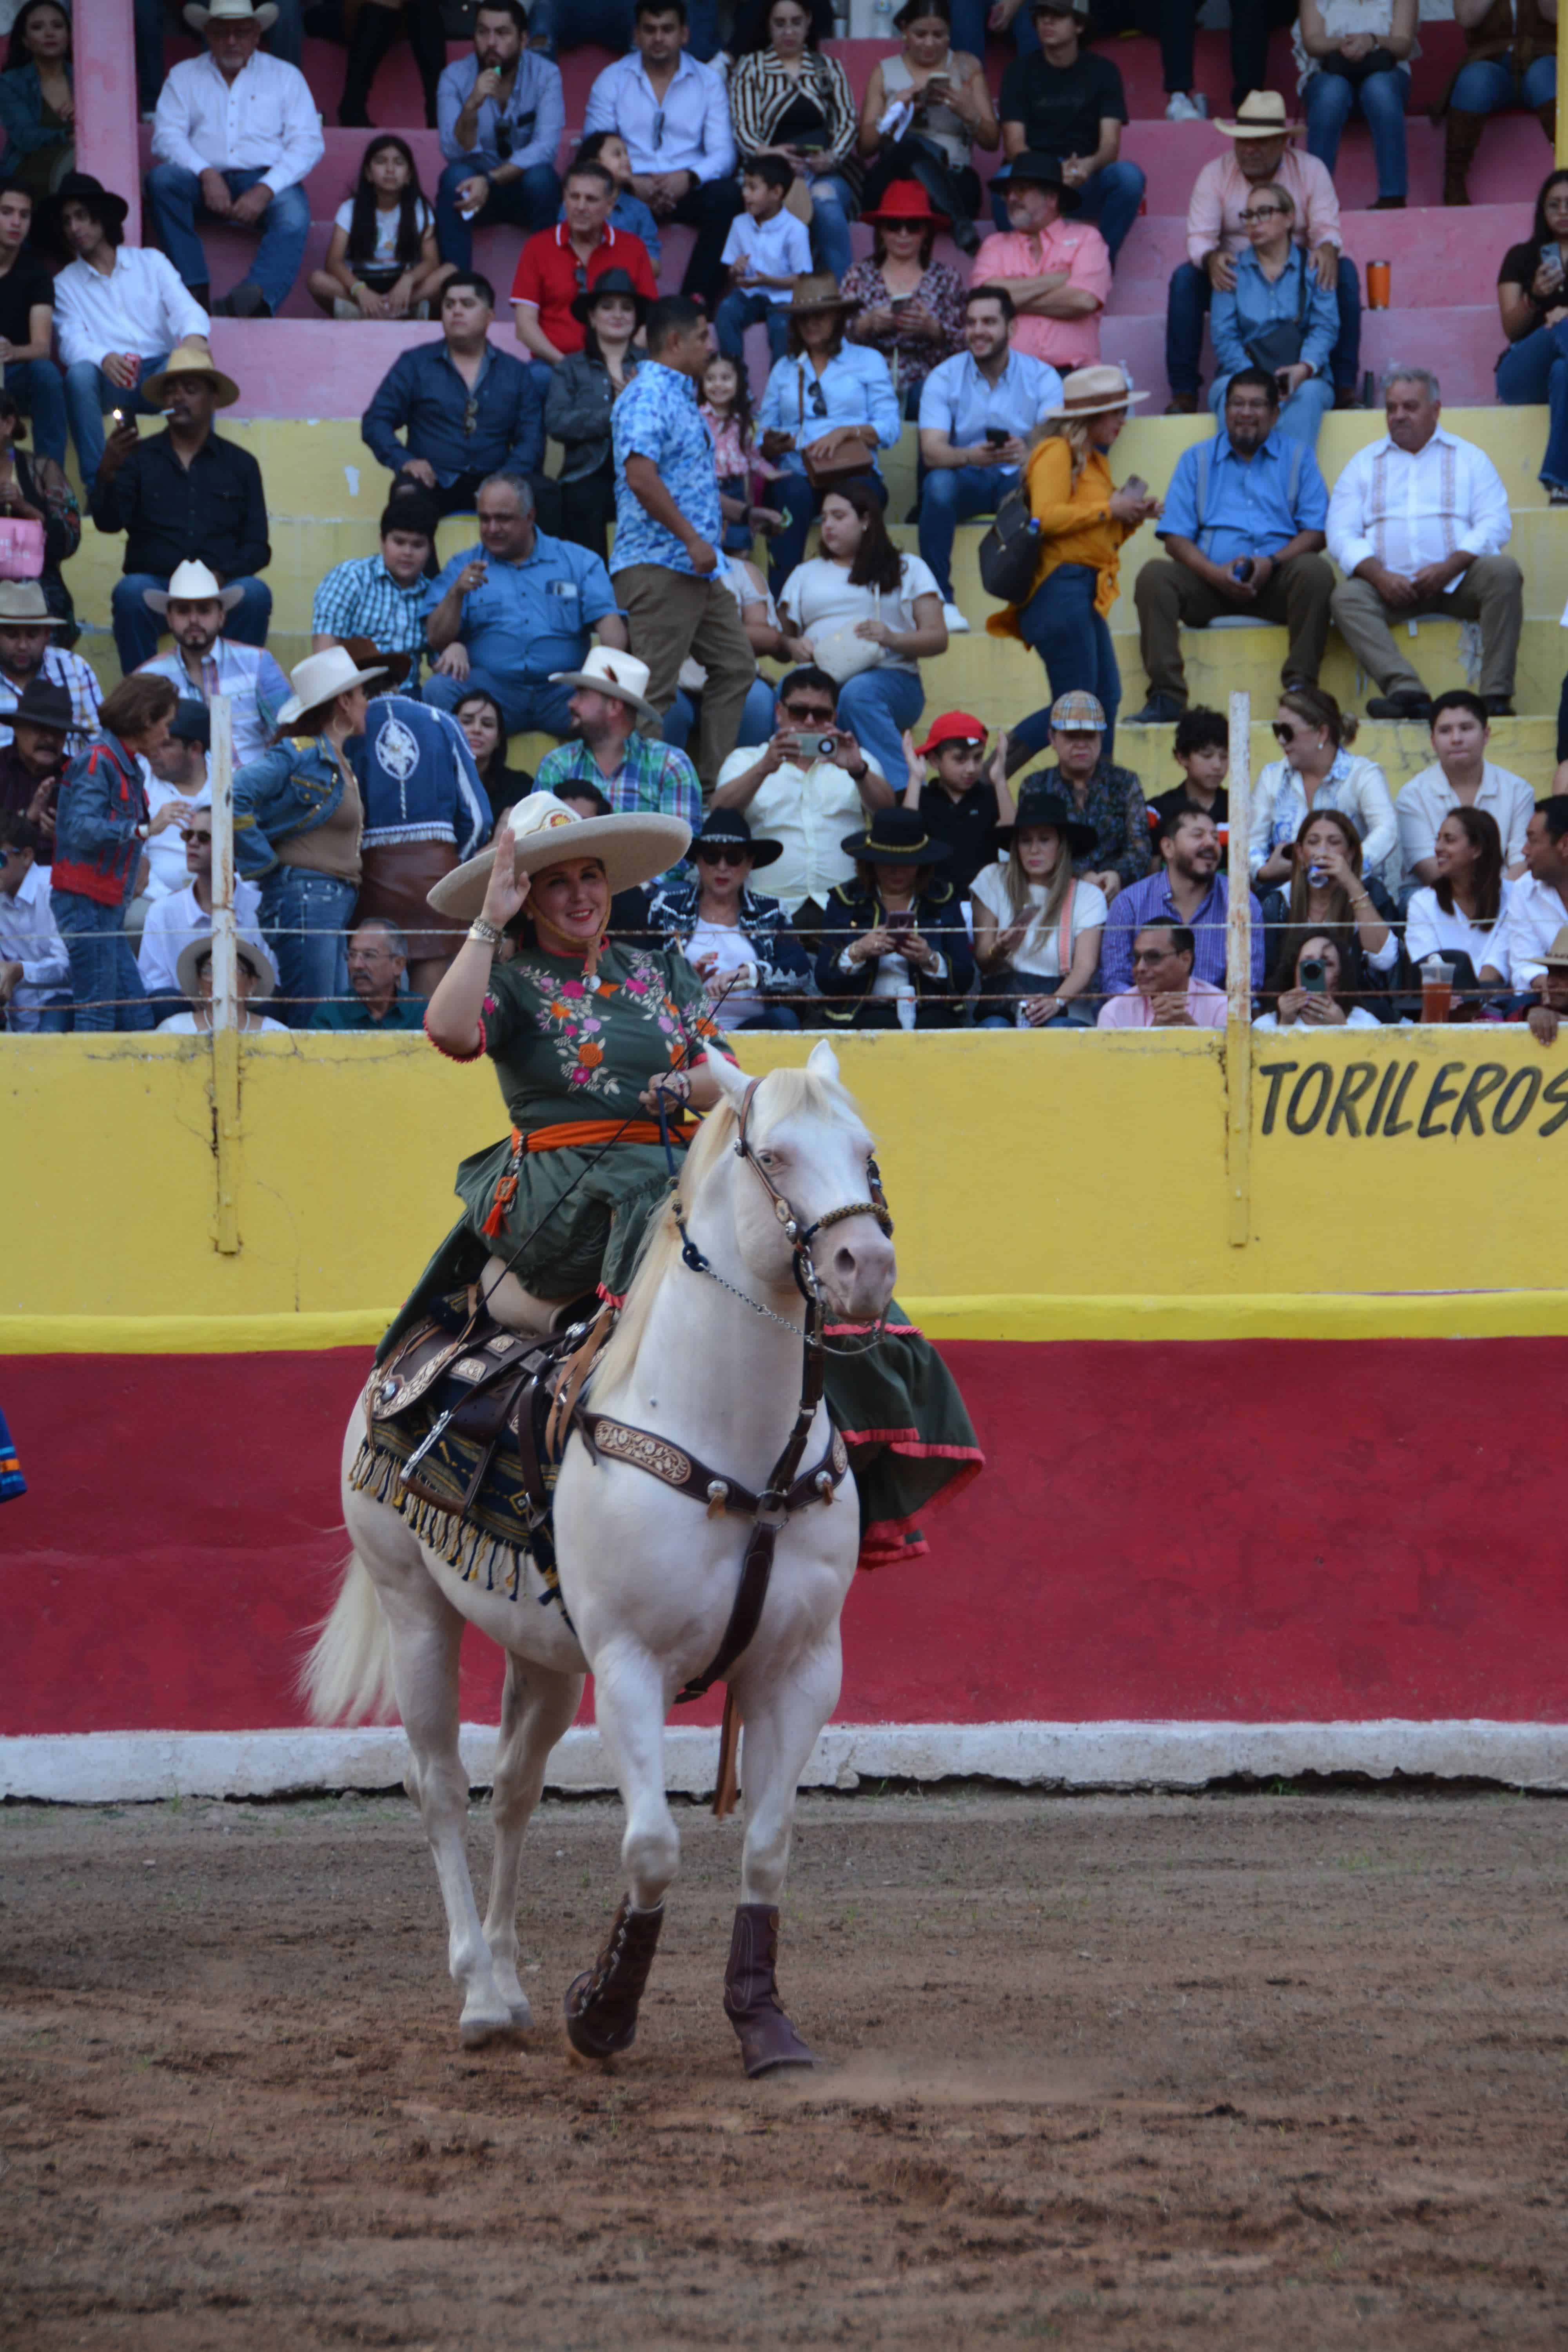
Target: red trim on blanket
878,1549
611,1297
852,1330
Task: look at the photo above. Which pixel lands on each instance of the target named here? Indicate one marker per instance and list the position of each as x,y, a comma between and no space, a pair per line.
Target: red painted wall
1248,1530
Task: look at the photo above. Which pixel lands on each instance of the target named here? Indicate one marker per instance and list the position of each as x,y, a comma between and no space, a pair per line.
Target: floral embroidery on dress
573,1025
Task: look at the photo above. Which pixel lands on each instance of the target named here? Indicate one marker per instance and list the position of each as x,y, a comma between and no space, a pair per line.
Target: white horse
648,1576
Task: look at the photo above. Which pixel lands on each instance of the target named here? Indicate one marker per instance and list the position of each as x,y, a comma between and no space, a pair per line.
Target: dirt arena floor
1255,2071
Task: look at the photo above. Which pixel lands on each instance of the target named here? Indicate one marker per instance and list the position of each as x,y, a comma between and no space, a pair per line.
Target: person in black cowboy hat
1054,268
33,762
1036,927
119,310
894,952
579,398
739,942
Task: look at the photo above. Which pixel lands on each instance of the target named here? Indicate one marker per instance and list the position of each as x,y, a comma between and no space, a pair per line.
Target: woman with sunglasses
913,311
738,942
1278,317
1318,770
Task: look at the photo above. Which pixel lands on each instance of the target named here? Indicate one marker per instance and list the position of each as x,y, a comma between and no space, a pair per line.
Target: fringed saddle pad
487,1530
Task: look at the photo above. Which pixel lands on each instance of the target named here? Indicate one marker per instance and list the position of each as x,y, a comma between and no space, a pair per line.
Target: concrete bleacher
305,380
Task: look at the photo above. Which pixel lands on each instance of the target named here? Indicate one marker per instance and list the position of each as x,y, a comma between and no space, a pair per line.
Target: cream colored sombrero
632,849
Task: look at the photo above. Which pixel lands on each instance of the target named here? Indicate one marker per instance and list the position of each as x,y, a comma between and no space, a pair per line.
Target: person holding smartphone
1309,981
895,953
1532,298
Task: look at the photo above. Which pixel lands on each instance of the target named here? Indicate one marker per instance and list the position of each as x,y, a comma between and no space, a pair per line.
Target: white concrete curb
128,1766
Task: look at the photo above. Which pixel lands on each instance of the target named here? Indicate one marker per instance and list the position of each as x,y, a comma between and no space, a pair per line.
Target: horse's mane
786,1091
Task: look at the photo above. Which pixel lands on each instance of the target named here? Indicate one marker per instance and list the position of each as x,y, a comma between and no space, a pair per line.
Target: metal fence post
1238,980
226,980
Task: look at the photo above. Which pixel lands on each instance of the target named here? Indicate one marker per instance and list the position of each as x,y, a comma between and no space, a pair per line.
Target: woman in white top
1033,922
381,261
1314,1000
1327,893
768,639
868,616
252,978
1318,770
1461,914
926,108
1357,53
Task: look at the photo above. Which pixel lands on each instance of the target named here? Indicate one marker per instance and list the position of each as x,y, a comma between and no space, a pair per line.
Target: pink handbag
21,549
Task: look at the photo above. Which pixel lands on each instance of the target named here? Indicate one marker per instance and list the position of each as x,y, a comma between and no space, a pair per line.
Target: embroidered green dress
573,1052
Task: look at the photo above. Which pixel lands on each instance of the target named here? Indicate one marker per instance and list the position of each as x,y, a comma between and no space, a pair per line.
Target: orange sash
589,1131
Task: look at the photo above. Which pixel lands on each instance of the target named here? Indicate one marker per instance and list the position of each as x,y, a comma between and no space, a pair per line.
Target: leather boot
1461,137
751,1993
376,29
602,2003
427,30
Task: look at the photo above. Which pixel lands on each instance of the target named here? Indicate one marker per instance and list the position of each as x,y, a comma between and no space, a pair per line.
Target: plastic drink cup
1379,285
1437,987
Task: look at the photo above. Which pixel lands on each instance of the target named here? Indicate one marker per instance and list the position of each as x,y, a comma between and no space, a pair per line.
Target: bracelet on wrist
485,932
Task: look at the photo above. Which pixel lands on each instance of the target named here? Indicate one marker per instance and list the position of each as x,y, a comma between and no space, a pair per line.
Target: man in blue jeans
500,113
1063,99
101,826
235,136
977,411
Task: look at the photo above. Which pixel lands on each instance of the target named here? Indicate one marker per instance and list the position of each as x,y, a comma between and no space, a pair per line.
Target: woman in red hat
925,111
912,306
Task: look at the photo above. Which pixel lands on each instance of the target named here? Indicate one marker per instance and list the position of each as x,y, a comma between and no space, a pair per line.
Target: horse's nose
862,1269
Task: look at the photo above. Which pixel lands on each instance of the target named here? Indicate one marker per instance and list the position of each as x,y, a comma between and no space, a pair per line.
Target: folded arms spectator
1056,268
506,614
1417,523
101,825
580,399
184,492
502,114
1243,533
465,409
234,137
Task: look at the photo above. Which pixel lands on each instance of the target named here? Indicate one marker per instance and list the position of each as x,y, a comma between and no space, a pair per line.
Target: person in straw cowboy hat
30,650
298,823
204,662
609,706
586,1034
1261,151
1083,519
234,137
827,402
253,979
183,493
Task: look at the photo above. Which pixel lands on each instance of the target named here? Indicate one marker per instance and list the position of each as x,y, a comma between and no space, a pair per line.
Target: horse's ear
823,1062
731,1080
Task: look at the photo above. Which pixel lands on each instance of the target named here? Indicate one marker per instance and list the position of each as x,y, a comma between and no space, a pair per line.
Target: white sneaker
1180,108
957,627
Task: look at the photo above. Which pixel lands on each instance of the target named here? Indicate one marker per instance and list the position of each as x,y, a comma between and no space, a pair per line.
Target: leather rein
786,1492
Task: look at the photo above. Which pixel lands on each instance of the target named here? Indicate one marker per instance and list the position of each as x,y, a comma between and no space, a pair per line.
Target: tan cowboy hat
610,672
191,358
233,12
1260,115
23,600
819,289
1094,391
250,953
632,849
191,584
321,678
1557,953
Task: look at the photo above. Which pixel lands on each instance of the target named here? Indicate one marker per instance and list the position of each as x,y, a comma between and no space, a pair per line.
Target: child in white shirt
767,249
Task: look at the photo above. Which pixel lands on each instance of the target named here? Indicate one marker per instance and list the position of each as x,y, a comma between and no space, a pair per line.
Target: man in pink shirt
1164,994
1261,151
1057,270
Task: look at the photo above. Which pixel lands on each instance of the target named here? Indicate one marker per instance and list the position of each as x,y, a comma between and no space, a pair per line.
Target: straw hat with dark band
1096,392
632,849
1260,115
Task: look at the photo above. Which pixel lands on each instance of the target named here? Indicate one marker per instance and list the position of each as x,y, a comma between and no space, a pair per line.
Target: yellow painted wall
1041,1184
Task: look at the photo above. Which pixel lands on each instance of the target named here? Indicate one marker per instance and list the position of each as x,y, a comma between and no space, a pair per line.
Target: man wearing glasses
187,914
465,409
674,116
806,788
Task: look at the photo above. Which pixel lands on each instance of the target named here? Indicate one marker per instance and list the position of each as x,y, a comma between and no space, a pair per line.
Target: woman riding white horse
705,1366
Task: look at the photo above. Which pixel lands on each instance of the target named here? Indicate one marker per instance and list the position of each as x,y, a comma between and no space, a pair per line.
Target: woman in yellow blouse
1082,519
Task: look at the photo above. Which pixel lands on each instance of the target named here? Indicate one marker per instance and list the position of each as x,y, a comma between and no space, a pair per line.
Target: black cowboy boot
376,29
751,1993
427,31
602,2003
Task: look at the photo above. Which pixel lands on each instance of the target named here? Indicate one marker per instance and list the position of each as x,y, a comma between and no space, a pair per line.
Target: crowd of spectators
917,886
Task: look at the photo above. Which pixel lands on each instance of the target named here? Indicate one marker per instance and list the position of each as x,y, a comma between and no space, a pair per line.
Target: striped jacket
99,823
761,93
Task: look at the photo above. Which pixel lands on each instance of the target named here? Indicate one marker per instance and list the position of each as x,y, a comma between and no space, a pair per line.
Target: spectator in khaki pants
668,528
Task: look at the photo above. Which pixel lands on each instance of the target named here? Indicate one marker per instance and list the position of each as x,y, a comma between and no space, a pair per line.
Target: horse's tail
348,1675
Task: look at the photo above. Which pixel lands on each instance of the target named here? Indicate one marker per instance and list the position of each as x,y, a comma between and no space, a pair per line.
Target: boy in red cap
962,802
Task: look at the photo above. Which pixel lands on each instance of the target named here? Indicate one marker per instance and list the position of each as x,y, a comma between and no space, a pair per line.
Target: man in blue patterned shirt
634,772
668,532
382,596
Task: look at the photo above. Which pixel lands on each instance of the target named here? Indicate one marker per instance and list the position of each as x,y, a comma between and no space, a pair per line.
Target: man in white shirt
1537,906
234,136
796,792
186,914
674,116
1461,776
35,969
204,662
119,310
1417,523
177,771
